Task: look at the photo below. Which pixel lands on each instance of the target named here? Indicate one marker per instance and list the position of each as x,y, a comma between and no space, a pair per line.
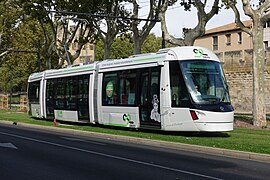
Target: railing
5,103
23,103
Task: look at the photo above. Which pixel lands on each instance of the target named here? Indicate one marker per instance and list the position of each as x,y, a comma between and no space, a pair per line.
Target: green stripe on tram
119,125
147,59
80,68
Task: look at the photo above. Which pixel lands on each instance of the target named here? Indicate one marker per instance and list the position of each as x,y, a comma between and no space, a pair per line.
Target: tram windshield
205,81
33,92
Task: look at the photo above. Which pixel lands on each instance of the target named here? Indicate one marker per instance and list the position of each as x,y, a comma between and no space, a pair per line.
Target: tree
151,43
122,46
25,38
189,35
80,35
259,14
20,39
59,24
8,18
139,36
113,25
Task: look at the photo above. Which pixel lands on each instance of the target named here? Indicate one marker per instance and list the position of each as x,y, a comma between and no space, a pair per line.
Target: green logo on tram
60,113
200,54
127,117
109,89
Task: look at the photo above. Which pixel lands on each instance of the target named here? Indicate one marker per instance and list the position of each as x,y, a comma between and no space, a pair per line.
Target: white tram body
175,89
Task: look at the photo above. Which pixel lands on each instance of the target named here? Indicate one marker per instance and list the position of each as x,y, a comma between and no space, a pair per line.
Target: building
226,38
230,38
232,45
87,54
235,49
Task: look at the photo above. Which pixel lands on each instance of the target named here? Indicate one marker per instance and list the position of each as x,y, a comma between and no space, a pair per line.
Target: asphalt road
33,154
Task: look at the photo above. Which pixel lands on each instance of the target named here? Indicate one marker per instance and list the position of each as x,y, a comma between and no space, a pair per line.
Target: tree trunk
259,109
48,63
107,50
137,45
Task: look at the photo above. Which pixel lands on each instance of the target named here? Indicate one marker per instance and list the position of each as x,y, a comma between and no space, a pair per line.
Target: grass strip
242,139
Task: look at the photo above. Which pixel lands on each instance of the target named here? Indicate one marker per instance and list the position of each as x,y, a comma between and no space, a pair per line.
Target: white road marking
83,140
111,156
8,145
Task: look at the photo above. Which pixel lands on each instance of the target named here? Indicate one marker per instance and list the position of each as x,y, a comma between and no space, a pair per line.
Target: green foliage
151,44
21,35
123,46
24,23
4,78
9,17
99,50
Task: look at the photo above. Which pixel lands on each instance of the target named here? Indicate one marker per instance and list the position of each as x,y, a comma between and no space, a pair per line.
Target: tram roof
135,61
78,69
36,76
74,70
167,54
190,53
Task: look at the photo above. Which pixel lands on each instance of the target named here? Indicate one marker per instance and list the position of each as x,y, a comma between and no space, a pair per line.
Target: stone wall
237,66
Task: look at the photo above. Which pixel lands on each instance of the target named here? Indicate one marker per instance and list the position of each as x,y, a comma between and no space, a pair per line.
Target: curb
149,142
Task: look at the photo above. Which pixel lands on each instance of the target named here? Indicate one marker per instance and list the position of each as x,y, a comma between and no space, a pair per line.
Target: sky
177,18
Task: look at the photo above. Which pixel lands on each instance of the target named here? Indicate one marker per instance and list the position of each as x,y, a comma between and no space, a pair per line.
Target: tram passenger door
149,101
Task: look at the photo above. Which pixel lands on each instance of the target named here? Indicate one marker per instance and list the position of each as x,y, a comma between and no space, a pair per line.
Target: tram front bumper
215,127
214,121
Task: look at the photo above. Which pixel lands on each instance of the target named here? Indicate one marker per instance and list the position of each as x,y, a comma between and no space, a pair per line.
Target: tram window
209,79
154,82
50,97
127,87
83,94
83,89
60,93
119,88
109,90
179,93
71,93
33,92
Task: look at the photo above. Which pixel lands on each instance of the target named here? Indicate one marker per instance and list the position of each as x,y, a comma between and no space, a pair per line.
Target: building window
91,47
240,38
74,45
267,24
266,44
228,39
91,58
85,59
215,43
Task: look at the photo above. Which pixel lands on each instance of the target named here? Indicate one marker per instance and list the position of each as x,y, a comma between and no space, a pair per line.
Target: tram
174,89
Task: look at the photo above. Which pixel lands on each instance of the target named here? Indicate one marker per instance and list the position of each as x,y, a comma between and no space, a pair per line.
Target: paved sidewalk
155,143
